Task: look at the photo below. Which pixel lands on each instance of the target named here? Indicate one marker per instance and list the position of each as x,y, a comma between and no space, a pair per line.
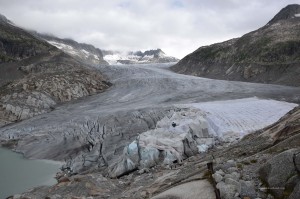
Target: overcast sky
178,27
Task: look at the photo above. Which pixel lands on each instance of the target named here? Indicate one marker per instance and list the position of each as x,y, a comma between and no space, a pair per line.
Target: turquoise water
18,174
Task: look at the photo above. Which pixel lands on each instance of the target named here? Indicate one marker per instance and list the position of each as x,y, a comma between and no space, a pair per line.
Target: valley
223,121
90,133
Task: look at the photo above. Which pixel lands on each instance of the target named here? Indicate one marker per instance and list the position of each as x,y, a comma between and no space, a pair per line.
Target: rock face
268,55
17,44
138,57
35,76
95,138
281,173
81,51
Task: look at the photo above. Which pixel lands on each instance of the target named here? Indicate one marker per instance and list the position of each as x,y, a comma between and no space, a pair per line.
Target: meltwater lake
18,174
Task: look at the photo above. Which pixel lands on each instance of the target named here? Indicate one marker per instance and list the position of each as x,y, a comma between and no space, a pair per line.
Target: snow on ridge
96,57
120,57
86,54
297,15
60,45
73,51
112,59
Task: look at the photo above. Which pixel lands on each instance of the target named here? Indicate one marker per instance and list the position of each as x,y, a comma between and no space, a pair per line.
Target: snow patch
82,53
297,15
86,53
112,59
96,57
60,45
118,57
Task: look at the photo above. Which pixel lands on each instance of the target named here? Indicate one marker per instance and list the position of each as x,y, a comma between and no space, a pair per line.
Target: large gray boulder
227,191
296,192
278,171
247,189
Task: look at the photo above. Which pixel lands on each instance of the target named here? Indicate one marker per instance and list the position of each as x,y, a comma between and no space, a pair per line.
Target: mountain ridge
269,54
35,76
289,12
81,51
138,57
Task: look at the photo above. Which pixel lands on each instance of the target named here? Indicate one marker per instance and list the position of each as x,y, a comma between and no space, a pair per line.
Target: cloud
176,26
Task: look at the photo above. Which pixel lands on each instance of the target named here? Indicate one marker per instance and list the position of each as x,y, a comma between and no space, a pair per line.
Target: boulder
246,189
227,191
221,172
234,175
296,192
278,170
218,178
233,182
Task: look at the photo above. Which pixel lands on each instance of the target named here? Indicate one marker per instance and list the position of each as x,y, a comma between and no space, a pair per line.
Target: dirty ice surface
194,128
142,95
232,119
222,120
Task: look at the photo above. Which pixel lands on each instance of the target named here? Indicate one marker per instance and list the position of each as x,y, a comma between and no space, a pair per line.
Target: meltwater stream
18,174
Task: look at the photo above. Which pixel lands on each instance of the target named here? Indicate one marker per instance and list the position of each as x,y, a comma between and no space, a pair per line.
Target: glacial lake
18,174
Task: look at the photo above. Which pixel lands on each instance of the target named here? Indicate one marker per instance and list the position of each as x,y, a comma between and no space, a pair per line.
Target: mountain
35,76
92,55
137,57
270,54
81,51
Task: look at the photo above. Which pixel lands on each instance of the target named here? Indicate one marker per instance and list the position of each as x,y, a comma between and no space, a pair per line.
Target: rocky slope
80,51
268,55
138,57
35,76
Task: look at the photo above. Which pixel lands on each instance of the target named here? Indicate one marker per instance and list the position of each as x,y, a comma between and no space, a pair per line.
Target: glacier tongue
166,144
196,128
233,119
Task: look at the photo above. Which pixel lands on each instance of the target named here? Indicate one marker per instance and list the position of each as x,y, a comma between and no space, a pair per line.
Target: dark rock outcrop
35,76
17,44
268,55
289,12
280,173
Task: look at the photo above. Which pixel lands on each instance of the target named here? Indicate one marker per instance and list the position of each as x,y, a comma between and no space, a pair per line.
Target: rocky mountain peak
289,12
156,52
3,19
137,57
274,47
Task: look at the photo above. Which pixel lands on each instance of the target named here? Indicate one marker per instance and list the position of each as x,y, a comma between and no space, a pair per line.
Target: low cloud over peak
176,26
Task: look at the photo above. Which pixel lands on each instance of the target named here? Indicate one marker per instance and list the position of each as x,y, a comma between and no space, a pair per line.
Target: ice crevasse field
200,126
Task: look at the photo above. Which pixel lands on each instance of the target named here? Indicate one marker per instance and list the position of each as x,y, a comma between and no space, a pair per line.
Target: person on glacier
174,124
